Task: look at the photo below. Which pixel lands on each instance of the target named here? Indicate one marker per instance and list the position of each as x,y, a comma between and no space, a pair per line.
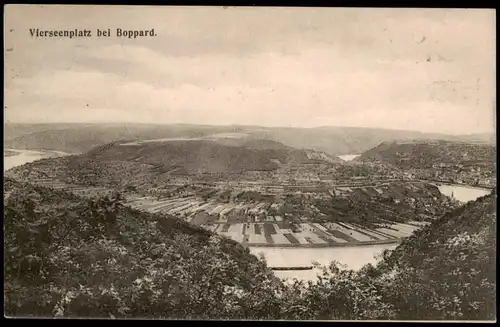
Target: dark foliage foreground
68,256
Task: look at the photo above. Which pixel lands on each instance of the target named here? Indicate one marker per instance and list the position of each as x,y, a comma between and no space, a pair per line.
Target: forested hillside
192,156
65,256
68,256
148,163
445,271
448,269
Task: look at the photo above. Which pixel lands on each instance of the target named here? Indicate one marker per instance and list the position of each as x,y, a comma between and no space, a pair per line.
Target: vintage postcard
249,163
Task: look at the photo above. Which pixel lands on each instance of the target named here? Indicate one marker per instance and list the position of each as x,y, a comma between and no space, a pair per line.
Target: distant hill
14,130
425,154
248,141
479,138
149,163
192,155
206,156
79,138
342,140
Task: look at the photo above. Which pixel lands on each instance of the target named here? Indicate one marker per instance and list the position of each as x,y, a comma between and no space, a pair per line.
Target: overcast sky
429,70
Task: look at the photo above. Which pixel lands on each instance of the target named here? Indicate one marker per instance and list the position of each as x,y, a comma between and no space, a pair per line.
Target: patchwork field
247,224
250,222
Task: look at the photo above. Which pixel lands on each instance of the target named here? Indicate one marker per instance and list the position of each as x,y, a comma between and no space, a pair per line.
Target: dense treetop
69,256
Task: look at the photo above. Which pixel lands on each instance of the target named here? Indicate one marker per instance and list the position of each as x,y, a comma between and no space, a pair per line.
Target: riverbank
441,183
292,268
19,157
324,245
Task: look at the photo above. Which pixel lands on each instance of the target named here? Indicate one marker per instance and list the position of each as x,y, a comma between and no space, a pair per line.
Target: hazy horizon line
243,125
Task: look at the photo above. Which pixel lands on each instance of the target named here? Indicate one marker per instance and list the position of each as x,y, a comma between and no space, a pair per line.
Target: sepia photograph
249,163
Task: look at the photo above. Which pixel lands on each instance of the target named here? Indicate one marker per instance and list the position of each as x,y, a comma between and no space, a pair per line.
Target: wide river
353,257
25,156
348,157
463,193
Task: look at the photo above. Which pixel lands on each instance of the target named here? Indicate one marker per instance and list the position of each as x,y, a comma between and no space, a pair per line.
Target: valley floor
235,220
250,223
